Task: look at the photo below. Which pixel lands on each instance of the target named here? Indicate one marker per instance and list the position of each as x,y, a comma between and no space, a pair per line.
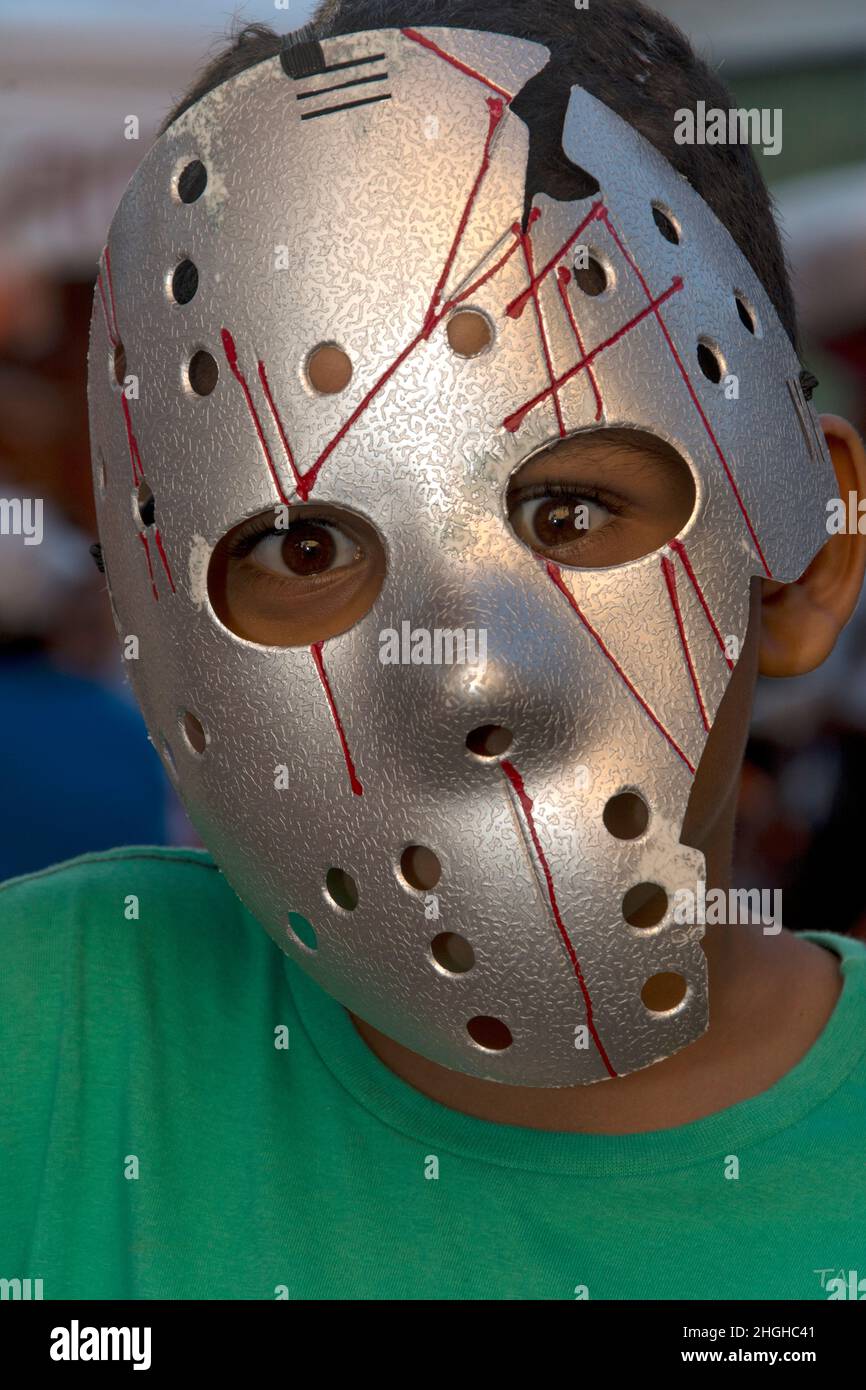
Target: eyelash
609,501
259,527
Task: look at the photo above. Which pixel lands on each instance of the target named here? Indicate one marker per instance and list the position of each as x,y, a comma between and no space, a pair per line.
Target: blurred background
78,772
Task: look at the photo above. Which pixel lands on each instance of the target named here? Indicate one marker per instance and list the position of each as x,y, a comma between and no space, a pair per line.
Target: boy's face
448,470
295,576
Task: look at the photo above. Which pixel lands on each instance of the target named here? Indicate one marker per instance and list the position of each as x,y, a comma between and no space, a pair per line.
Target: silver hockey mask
361,193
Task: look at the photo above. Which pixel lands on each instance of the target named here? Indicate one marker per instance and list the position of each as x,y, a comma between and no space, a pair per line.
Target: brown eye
550,522
304,549
308,549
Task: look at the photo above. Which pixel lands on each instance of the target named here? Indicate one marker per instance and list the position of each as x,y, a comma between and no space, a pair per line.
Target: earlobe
801,622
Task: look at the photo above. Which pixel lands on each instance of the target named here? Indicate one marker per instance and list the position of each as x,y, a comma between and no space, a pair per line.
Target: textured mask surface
364,225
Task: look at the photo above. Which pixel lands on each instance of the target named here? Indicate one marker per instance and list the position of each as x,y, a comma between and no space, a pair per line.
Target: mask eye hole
296,575
601,498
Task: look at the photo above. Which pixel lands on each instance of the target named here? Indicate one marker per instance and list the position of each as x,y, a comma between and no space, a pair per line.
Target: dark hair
635,61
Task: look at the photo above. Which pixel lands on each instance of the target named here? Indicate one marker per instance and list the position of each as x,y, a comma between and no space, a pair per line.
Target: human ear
800,622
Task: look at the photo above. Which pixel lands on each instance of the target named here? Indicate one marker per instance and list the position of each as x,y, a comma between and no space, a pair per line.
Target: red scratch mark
488,274
143,538
556,576
563,276
679,549
526,805
112,336
163,557
605,217
455,62
316,651
496,110
134,454
526,243
514,421
263,378
671,582
520,301
232,358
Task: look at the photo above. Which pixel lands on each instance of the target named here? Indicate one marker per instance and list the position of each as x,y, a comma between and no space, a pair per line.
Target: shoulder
109,912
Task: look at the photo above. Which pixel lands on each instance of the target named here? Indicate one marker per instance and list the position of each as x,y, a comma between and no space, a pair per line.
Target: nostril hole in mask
329,369
489,741
420,867
193,731
192,181
342,889
591,278
184,282
452,952
644,905
202,372
146,504
664,992
119,364
468,333
300,930
711,362
489,1033
626,816
666,224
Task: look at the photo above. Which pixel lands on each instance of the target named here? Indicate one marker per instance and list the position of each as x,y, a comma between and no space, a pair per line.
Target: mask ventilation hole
644,905
711,362
202,372
184,282
591,278
329,369
146,504
192,182
664,992
666,223
748,317
490,1033
301,932
452,952
469,333
420,868
489,741
193,731
118,364
626,816
342,889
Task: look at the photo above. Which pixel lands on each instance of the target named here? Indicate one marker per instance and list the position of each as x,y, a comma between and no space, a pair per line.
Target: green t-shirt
159,1140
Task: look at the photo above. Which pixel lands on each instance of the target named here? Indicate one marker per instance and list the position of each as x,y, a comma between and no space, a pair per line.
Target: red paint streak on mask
455,62
232,359
514,421
526,805
143,538
163,557
526,243
316,651
671,582
605,217
563,276
519,303
555,575
679,549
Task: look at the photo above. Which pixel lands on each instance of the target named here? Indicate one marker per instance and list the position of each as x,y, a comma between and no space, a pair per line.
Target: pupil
554,523
308,548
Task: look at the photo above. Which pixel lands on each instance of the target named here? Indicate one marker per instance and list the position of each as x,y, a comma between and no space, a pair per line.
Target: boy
456,477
